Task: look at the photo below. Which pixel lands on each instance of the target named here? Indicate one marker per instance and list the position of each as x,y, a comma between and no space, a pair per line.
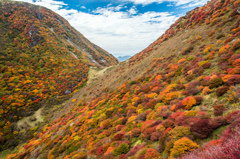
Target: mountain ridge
123,58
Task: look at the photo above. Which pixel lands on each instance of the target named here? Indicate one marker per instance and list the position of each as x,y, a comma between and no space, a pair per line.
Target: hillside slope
42,60
181,94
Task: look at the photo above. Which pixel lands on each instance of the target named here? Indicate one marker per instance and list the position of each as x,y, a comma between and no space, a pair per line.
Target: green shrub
132,82
190,58
200,64
178,132
121,149
215,82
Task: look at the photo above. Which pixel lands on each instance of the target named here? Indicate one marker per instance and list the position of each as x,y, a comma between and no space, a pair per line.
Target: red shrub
193,84
192,91
199,71
228,40
219,121
168,123
119,127
122,156
148,132
156,123
99,151
206,65
145,89
228,148
222,90
238,93
223,65
232,116
233,80
198,99
135,132
205,81
233,128
164,114
179,106
202,128
179,87
218,109
184,120
119,136
173,116
151,104
233,58
155,136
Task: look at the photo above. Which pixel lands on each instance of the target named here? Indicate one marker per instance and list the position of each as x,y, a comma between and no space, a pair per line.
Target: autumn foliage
185,96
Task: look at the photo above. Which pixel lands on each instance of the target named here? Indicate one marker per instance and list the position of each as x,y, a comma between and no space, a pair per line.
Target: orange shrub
189,102
236,63
104,124
109,150
168,97
152,154
224,49
158,77
181,61
206,91
198,38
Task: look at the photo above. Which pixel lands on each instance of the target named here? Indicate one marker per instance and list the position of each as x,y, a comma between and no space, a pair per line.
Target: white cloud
83,7
116,31
119,32
133,10
51,4
176,2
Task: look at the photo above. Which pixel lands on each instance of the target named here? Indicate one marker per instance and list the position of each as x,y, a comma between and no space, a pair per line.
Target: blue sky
121,27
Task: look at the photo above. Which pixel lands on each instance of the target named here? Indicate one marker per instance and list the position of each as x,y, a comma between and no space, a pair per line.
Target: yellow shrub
135,99
181,146
74,100
202,63
132,118
152,95
191,113
206,51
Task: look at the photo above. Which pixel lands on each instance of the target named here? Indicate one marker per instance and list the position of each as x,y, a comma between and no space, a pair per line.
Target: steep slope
180,94
43,61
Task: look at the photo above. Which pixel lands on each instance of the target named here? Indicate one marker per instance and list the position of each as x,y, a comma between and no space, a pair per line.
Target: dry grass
31,121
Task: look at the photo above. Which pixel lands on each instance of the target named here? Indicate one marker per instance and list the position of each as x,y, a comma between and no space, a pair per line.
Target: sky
121,27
